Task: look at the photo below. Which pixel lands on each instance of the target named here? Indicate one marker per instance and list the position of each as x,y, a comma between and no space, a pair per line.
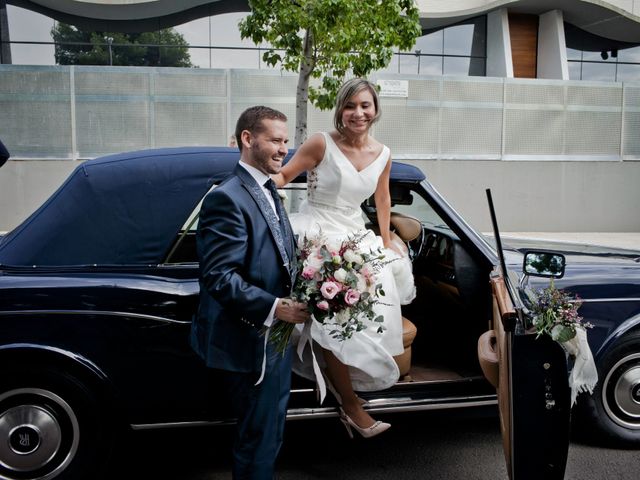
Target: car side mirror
544,264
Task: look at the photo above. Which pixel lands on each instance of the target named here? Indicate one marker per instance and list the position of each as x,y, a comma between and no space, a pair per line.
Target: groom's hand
292,312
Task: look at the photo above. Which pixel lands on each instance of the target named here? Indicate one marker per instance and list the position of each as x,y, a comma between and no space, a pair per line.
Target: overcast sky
222,30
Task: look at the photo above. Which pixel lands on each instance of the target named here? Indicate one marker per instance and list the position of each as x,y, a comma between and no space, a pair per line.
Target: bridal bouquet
339,285
556,313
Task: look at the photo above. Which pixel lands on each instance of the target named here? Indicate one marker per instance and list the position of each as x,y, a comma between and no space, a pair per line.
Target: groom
247,268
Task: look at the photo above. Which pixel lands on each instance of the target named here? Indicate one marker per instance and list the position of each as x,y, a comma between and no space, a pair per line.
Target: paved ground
419,446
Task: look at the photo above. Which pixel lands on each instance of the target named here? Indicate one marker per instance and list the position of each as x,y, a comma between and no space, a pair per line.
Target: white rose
314,262
353,257
342,316
340,275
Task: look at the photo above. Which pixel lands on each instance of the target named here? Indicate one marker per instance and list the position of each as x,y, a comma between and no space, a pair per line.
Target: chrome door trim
403,404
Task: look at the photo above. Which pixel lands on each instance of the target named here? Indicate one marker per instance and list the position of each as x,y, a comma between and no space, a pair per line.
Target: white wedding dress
335,191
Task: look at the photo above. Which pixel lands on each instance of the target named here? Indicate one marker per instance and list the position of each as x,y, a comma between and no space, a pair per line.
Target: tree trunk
302,91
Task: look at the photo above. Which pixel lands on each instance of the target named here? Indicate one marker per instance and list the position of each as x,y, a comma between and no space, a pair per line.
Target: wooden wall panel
523,30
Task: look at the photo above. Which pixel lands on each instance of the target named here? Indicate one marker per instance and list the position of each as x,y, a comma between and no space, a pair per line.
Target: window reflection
599,72
456,50
465,39
596,58
628,73
430,65
574,54
464,66
408,63
575,70
430,43
629,55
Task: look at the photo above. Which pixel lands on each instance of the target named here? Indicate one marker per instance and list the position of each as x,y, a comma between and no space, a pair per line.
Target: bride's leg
338,374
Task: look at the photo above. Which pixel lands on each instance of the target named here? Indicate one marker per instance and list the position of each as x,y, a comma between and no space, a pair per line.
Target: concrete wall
25,185
542,196
559,155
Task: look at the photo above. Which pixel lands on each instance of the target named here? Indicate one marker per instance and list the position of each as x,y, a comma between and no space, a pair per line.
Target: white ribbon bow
305,337
584,374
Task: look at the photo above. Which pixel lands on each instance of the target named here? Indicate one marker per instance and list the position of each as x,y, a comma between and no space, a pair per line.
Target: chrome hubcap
621,392
33,426
33,435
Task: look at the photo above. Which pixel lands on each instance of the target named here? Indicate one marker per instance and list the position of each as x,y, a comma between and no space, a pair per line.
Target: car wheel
614,407
51,426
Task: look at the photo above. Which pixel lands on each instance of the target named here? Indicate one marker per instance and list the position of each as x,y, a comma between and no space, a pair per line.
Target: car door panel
533,395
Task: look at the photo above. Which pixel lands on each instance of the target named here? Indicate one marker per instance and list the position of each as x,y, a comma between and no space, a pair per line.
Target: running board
382,405
398,405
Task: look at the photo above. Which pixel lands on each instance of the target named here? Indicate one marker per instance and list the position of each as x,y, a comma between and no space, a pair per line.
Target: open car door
530,376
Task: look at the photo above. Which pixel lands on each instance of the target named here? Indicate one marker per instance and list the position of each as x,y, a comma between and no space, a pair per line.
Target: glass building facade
595,58
455,50
459,49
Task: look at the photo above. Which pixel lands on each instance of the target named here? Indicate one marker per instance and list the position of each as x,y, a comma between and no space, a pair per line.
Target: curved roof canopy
599,17
130,15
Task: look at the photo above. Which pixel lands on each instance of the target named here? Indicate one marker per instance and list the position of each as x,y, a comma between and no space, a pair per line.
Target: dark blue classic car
98,288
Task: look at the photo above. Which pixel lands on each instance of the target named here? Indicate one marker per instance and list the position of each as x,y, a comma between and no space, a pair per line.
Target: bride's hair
349,89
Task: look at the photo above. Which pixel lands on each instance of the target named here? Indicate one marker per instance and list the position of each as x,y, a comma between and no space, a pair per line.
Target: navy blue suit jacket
243,269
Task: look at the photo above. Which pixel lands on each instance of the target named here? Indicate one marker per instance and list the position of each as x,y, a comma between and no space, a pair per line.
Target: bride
345,167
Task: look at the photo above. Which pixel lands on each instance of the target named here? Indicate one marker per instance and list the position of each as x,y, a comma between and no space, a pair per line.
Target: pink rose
323,305
308,272
329,290
368,273
351,297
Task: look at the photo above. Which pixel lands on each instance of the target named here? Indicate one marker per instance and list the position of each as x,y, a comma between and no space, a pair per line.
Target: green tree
79,47
329,39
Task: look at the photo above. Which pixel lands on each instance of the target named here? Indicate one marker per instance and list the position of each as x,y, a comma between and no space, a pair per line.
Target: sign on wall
394,88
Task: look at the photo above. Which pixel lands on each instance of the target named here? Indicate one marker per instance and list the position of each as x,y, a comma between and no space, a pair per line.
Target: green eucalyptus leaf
562,333
344,35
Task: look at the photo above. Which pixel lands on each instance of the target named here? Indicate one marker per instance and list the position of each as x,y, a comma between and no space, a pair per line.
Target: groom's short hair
251,120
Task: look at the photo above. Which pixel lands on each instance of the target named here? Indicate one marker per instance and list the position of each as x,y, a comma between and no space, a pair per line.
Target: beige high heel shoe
377,428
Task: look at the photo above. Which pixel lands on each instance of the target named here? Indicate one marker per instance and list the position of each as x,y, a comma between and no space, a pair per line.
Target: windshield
420,209
411,204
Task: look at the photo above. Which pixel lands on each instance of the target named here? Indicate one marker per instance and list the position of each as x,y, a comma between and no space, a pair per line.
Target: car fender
630,324
27,353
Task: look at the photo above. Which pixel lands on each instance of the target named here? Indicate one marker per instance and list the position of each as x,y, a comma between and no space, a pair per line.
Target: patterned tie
284,227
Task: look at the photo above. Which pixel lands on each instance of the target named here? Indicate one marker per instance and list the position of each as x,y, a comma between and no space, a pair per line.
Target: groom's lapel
266,210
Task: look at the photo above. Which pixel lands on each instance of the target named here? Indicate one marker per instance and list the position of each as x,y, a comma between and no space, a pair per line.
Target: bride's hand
391,245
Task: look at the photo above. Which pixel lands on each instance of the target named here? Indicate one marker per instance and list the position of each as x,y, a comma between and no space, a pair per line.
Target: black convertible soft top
4,153
126,209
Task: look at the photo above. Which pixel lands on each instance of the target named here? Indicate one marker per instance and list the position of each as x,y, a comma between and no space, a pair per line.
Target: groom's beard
269,162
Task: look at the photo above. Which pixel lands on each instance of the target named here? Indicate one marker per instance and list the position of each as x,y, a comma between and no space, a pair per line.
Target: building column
552,47
5,47
499,61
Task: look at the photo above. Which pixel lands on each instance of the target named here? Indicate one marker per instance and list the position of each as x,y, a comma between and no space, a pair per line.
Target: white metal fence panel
83,112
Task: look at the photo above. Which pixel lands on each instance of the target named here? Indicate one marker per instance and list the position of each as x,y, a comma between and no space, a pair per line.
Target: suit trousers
261,413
